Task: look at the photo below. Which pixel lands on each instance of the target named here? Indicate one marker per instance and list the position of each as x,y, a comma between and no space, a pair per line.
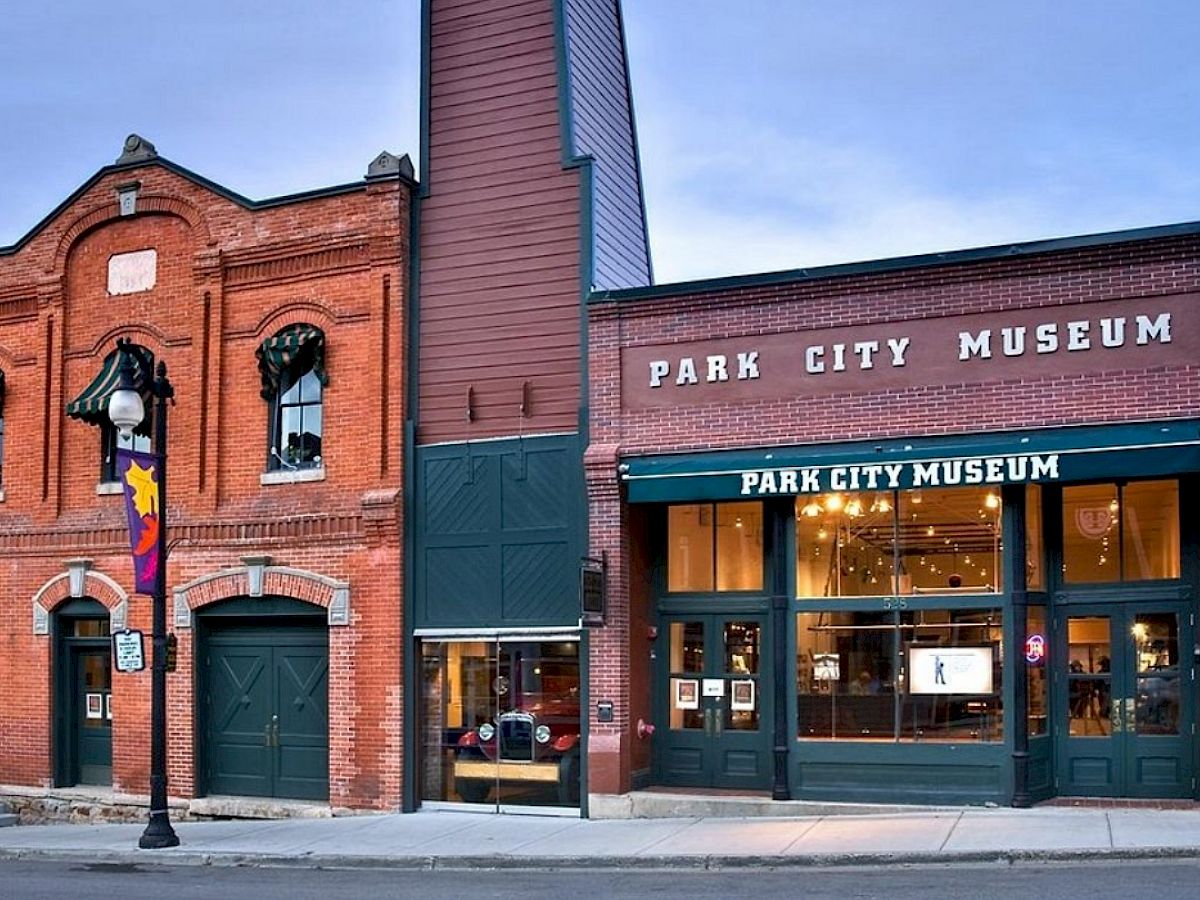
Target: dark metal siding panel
500,238
498,540
604,129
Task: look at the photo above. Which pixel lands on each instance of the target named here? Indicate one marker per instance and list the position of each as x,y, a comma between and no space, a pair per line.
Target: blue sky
774,133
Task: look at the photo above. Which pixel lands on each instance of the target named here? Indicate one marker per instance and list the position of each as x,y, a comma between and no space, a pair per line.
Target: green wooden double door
265,705
713,703
1124,700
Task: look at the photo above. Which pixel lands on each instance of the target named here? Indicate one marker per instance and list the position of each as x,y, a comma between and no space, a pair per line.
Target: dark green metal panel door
1124,700
93,715
715,698
301,721
266,701
238,701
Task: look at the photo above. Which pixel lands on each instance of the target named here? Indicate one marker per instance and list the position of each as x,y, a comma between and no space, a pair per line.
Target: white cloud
764,202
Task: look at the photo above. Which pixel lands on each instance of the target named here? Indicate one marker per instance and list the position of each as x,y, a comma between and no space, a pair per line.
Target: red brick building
284,501
908,530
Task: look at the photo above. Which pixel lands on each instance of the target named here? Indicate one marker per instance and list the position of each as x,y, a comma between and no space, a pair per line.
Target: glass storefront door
715,700
1124,700
500,722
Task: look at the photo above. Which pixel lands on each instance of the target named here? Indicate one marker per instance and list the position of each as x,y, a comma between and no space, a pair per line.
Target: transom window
1121,532
715,547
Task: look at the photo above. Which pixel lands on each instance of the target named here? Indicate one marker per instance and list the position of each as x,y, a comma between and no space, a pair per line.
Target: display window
922,675
500,722
944,541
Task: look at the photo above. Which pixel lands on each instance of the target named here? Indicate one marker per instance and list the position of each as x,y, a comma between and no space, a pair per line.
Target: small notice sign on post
129,654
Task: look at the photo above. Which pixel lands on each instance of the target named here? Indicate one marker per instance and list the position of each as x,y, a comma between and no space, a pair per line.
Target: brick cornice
278,264
297,530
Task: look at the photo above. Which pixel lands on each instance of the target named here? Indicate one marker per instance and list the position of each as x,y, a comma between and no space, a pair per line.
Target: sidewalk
457,840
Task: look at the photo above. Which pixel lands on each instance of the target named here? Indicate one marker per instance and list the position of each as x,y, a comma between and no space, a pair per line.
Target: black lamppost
126,411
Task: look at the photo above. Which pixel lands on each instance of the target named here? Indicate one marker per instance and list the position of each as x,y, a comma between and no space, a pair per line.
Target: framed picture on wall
95,706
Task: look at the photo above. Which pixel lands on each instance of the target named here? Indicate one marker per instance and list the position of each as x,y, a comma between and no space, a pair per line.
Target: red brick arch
147,204
95,585
280,581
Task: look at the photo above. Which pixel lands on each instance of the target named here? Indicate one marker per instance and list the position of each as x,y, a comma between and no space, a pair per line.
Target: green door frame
268,614
725,756
66,755
1119,761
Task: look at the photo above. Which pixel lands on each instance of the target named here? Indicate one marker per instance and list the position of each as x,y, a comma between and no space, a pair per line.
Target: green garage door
265,704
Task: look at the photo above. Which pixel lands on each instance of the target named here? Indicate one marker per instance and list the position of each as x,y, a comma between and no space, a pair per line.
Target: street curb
642,863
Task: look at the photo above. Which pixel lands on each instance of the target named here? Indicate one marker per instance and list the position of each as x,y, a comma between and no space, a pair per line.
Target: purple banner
138,474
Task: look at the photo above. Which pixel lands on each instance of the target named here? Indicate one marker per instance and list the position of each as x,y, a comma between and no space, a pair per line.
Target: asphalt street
1161,880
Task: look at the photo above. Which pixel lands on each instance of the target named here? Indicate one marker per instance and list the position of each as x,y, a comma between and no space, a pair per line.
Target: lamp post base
158,834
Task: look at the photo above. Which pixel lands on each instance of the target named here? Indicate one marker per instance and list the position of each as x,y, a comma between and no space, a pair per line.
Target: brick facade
229,274
907,292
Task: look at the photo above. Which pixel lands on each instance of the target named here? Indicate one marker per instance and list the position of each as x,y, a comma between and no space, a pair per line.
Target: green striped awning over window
91,405
297,344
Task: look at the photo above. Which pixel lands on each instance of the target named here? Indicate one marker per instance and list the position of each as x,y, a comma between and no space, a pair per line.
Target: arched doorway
263,699
82,694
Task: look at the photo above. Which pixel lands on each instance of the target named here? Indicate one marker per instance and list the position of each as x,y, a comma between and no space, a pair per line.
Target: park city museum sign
1045,342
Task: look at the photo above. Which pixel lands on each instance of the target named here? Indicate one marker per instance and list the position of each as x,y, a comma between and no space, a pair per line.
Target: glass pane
88,627
1035,575
844,545
1090,536
310,388
1156,641
291,391
1035,669
138,442
690,548
687,647
1150,540
950,541
1089,678
310,436
952,665
845,672
290,447
535,746
500,724
96,669
742,648
687,658
1157,710
739,546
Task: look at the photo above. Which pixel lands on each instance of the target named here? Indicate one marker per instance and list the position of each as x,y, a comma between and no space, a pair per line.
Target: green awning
304,343
1051,455
91,406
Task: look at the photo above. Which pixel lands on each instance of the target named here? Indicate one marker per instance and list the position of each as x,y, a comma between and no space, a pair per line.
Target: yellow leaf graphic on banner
145,489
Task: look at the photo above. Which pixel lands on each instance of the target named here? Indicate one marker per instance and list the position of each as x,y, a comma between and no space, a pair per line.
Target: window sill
104,488
292,476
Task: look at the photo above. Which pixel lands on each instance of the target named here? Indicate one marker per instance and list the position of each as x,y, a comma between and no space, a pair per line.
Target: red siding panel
500,230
